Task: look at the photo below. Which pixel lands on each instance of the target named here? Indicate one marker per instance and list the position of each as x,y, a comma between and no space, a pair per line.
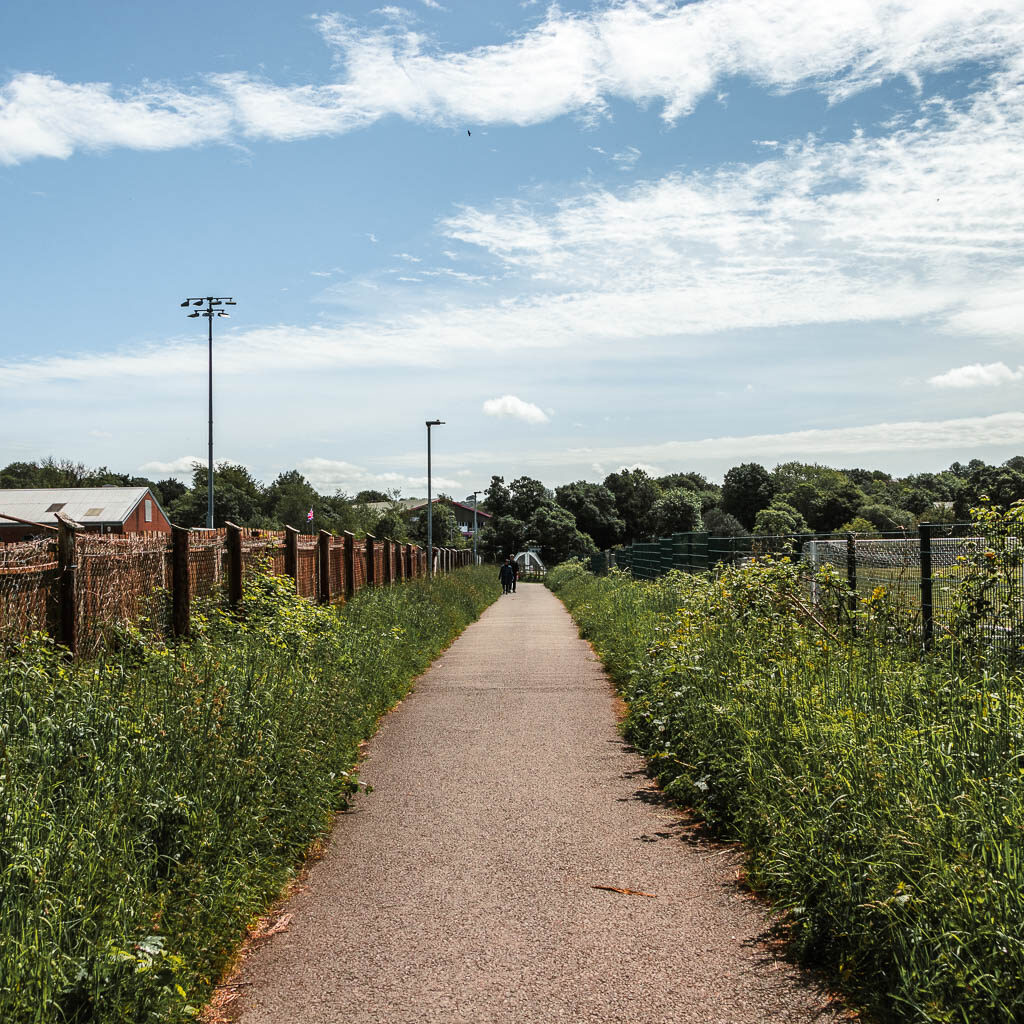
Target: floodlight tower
210,302
430,506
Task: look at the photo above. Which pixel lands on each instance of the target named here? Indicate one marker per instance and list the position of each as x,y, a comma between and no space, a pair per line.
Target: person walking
515,574
507,576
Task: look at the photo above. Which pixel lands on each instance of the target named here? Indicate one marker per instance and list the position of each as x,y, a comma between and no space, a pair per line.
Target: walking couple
508,574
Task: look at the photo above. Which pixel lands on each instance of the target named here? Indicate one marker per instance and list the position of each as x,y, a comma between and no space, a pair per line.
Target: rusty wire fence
80,586
28,578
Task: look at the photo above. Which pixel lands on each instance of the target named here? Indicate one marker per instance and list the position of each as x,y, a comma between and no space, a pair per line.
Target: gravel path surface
462,888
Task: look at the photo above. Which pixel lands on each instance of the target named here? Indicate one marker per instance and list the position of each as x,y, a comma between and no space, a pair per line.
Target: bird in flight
468,132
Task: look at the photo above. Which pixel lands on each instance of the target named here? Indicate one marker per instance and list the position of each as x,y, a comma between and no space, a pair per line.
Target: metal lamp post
474,496
430,504
210,301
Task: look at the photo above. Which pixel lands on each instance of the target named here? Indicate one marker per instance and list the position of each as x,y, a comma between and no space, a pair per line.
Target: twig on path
626,892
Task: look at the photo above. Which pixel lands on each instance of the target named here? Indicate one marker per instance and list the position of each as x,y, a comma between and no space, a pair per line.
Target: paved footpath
462,888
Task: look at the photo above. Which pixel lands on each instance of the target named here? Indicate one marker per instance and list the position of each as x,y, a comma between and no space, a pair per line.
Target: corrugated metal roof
83,504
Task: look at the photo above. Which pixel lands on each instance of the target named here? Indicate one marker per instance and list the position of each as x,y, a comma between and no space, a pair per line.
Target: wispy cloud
332,475
511,407
175,467
638,50
977,375
626,160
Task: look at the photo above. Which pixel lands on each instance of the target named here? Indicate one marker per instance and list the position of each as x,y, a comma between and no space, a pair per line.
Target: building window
149,511
57,506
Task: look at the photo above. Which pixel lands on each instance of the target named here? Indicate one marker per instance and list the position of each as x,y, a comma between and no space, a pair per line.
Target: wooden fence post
291,554
234,545
181,584
388,551
67,566
350,564
371,560
323,566
396,560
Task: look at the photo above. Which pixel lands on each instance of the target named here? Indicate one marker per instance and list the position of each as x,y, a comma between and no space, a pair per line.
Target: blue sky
680,236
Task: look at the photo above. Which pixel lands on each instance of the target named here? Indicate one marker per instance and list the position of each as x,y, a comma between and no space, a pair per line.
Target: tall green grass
879,792
153,801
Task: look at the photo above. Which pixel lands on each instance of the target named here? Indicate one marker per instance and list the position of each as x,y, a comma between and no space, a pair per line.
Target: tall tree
527,495
746,490
497,499
593,508
676,511
635,492
553,529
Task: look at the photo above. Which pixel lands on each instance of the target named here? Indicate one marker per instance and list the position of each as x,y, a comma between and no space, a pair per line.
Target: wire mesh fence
118,579
79,586
945,577
28,575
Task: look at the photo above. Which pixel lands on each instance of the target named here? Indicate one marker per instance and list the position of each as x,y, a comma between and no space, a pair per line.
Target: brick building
98,509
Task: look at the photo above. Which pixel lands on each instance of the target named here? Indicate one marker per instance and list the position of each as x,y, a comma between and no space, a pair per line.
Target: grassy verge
880,794
153,801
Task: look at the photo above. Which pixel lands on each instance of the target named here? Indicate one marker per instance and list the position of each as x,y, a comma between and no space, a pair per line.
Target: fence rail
921,572
79,585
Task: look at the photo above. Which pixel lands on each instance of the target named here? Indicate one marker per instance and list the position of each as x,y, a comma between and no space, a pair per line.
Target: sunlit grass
153,801
879,792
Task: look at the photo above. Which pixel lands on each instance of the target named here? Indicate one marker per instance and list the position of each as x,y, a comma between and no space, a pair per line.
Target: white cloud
977,375
626,160
332,475
42,116
514,408
637,50
176,467
820,232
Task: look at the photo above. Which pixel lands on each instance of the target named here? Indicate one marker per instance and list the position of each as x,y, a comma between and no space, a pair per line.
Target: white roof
82,504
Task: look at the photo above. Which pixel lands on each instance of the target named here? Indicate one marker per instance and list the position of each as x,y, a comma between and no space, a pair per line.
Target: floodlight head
230,302
198,302
192,315
221,312
185,303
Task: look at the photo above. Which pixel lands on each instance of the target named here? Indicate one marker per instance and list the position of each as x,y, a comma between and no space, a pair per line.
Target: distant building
413,508
98,509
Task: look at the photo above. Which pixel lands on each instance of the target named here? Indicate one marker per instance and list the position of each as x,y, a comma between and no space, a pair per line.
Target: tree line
579,518
795,497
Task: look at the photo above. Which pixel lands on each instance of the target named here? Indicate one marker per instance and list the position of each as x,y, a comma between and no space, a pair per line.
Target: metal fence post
234,546
181,585
851,572
924,532
67,566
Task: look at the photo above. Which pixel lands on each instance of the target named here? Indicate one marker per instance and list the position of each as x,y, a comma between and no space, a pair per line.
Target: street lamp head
434,423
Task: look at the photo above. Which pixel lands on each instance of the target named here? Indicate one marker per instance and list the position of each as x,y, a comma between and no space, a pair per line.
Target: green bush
153,801
878,792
